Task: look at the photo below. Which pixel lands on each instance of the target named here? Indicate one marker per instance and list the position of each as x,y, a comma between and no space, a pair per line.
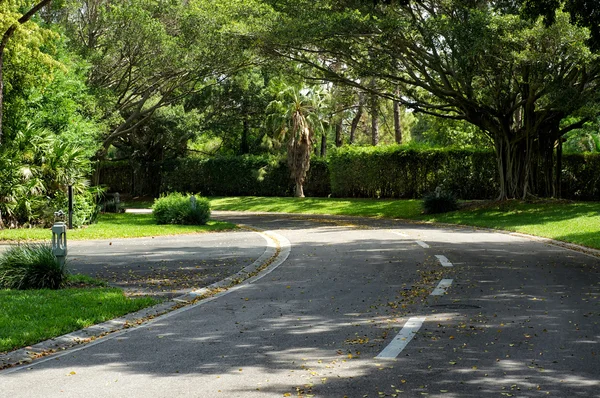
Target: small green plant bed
30,316
116,225
574,222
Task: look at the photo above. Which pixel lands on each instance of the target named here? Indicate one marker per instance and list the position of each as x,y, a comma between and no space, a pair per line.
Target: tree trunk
356,118
526,166
374,120
323,144
559,149
397,121
245,147
339,138
397,126
299,192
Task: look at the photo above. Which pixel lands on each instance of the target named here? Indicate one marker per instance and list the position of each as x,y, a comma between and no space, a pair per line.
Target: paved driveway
361,308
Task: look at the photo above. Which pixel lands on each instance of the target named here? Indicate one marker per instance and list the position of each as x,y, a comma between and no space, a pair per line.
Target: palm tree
296,114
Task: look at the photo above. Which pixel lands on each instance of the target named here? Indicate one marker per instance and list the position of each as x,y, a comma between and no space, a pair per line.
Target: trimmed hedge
396,172
372,172
240,175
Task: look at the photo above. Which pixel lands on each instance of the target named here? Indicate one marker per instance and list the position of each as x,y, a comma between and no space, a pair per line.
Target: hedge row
240,175
372,172
395,172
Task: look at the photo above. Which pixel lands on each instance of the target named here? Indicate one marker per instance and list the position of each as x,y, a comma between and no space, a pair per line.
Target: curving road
351,313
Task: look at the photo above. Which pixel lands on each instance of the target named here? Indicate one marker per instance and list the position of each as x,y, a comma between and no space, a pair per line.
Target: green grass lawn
31,316
575,222
113,225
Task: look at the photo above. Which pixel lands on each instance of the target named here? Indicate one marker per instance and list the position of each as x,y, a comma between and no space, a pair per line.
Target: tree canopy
515,79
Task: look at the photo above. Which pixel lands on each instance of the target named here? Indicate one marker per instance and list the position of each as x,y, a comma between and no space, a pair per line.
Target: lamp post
59,237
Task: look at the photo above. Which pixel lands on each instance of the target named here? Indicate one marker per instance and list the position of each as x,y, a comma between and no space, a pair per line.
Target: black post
70,206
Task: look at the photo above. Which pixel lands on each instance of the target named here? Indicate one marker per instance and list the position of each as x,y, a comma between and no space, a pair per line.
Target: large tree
150,54
479,61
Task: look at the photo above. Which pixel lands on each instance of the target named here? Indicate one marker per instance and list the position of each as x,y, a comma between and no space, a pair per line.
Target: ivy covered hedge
372,172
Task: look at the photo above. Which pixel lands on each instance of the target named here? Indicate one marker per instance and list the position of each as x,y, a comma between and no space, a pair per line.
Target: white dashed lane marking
443,260
396,346
442,287
423,244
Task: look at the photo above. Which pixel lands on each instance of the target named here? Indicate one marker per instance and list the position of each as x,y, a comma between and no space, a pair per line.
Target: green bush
31,266
439,202
176,208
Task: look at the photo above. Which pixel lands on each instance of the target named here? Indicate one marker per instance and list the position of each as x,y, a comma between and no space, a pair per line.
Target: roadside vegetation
116,225
31,316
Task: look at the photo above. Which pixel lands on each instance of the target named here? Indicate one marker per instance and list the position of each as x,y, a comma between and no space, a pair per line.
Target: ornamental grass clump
177,208
439,202
31,266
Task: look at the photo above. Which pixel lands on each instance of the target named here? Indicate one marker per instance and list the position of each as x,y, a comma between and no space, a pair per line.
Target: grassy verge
574,222
112,225
343,207
31,316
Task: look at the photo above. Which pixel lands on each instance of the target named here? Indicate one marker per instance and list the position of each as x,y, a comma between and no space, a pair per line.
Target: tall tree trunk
324,144
397,125
559,149
299,192
245,147
339,138
374,120
5,37
356,118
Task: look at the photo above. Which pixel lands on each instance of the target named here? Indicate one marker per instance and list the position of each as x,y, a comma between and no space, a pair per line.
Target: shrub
439,202
176,208
31,266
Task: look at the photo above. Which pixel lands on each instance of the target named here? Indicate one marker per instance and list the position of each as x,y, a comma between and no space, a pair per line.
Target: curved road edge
277,251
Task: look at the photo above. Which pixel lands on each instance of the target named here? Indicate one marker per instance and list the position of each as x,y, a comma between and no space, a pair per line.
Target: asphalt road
165,266
520,318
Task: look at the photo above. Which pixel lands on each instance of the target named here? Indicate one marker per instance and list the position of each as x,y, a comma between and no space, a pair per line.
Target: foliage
234,112
30,316
439,202
410,172
147,54
477,61
581,176
23,42
36,168
31,266
176,208
439,132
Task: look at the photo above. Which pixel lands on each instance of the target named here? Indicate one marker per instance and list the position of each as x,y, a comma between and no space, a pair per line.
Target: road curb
276,252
